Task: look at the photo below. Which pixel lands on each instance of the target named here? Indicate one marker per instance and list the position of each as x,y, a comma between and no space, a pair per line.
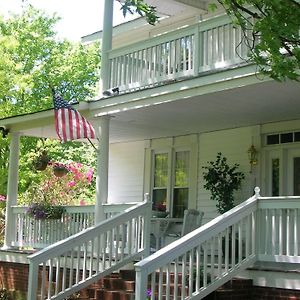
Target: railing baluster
226,254
240,239
273,230
219,240
288,228
176,279
295,233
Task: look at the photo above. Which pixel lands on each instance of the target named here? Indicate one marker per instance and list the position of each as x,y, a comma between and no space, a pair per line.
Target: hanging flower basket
41,162
60,170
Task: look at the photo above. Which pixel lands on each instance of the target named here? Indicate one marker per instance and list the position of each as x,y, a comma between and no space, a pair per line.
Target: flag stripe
69,123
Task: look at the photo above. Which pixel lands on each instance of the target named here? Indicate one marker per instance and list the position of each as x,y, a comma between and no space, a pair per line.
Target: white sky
78,18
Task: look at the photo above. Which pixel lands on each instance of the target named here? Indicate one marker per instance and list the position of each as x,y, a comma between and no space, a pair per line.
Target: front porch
266,230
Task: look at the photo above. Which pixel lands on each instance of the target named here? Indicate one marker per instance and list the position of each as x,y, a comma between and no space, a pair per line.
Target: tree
275,25
32,60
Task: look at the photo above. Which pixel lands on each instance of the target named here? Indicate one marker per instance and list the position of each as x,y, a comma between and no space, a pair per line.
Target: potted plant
60,169
41,161
222,180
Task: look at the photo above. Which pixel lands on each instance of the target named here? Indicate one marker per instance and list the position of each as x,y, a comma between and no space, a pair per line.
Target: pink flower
2,198
71,183
82,202
89,175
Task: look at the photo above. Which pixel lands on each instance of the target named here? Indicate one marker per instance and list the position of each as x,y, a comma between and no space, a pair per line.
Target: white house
182,91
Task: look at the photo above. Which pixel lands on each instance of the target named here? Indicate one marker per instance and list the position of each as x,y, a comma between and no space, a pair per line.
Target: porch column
12,188
102,168
106,43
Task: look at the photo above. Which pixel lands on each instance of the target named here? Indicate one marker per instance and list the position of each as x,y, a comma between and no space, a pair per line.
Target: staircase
121,286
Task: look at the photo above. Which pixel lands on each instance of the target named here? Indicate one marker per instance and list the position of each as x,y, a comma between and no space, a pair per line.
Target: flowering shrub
75,187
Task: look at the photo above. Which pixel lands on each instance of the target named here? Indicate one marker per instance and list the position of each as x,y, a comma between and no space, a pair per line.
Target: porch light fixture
252,155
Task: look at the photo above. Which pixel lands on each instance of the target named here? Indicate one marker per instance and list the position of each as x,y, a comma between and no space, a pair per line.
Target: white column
12,188
106,43
102,168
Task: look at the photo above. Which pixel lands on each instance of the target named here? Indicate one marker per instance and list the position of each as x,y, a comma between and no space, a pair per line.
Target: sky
79,17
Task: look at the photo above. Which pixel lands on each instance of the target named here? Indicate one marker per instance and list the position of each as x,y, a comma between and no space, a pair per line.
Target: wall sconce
252,155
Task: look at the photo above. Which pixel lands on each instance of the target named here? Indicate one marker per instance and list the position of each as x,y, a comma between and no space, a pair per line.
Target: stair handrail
190,248
76,262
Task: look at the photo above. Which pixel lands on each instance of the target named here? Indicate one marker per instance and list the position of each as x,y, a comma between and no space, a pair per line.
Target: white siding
233,144
126,169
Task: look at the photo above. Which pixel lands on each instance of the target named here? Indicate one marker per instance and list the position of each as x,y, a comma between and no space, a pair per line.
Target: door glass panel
275,177
296,176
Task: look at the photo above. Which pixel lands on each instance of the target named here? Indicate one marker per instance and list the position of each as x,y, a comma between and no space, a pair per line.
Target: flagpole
92,144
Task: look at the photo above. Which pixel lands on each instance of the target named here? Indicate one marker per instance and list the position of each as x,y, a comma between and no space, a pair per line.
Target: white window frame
171,146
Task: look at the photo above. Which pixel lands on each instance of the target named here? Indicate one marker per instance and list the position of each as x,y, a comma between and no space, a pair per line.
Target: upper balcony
193,50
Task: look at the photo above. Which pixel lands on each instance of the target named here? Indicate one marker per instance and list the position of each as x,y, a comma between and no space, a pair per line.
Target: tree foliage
140,7
275,39
32,60
274,26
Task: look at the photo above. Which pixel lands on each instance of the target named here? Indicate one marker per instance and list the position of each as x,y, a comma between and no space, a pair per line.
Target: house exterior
173,96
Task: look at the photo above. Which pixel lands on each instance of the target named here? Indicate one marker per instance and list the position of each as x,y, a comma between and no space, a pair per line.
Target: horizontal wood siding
126,169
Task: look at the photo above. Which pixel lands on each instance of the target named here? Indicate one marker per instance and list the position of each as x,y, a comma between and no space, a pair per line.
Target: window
160,187
283,138
171,181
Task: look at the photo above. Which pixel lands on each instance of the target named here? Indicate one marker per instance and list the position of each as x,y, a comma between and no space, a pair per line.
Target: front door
293,174
282,172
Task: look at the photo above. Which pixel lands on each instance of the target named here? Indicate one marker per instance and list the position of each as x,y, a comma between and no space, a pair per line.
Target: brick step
121,286
113,295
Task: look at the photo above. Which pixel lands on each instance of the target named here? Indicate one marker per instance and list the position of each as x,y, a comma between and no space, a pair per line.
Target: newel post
147,224
12,189
256,244
141,283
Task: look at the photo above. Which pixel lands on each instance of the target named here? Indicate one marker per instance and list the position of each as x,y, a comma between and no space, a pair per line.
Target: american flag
69,123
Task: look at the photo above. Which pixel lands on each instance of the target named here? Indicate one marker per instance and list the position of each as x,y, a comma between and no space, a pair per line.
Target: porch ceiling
261,103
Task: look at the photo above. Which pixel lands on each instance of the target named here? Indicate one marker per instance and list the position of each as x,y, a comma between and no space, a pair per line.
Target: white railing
197,264
207,46
279,239
70,265
33,233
